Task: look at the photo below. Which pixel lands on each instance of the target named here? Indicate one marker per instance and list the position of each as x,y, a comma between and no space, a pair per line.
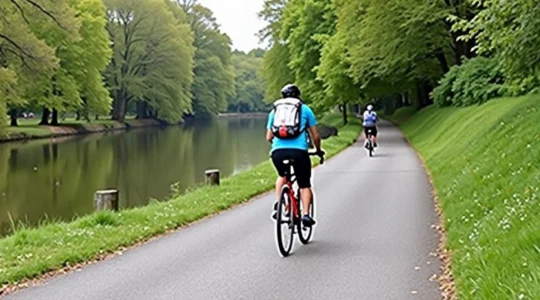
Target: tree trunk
427,94
423,90
119,106
345,121
13,114
78,117
54,119
439,54
45,116
142,110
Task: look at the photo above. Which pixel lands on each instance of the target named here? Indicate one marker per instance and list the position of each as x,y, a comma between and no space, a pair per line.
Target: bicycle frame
290,180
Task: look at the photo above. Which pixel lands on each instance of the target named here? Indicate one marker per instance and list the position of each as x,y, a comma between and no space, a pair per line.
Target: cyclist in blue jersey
370,122
287,129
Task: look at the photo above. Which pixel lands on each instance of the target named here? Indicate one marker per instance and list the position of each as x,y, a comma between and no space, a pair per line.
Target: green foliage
153,59
249,95
334,72
7,86
24,51
507,30
90,57
474,82
303,22
160,59
338,51
214,76
276,72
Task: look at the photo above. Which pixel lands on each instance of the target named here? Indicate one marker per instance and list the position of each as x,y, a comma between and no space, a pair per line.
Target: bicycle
370,143
283,212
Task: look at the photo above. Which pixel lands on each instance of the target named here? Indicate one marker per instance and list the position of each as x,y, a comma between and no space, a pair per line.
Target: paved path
373,232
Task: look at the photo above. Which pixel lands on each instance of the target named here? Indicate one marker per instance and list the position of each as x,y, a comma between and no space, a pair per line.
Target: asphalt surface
372,240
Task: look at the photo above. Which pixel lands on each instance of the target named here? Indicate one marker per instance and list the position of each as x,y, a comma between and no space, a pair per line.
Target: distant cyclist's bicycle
289,212
370,144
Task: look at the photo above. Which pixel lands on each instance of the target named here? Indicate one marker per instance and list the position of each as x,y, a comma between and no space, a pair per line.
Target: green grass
485,163
28,130
403,114
31,252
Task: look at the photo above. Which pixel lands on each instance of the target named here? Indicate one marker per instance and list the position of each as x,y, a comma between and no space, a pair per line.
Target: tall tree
152,61
249,95
22,48
276,71
90,56
334,73
304,21
214,76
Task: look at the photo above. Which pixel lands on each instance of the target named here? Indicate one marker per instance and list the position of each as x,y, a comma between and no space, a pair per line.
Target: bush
476,81
522,86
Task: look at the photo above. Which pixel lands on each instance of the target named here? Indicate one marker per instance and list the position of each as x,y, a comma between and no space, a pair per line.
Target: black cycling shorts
372,129
301,165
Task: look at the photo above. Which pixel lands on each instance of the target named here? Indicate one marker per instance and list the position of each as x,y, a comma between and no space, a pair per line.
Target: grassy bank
485,163
31,252
28,129
403,114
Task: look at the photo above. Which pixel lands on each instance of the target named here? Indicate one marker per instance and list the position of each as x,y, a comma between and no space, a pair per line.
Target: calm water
58,179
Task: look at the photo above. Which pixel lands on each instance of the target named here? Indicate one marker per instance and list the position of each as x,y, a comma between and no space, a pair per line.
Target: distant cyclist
287,129
370,122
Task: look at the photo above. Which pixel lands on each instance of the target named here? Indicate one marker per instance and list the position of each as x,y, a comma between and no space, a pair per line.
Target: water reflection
59,178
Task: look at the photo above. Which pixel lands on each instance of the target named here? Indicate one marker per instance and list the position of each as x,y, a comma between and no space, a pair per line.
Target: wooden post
212,177
106,200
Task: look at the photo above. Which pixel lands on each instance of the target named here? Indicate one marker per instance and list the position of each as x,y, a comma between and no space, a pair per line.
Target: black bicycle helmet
290,91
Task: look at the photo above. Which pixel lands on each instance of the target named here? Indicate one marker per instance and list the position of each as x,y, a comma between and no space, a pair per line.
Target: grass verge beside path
485,164
31,252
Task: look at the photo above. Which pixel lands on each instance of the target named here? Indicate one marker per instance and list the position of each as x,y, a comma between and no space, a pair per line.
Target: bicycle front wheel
284,223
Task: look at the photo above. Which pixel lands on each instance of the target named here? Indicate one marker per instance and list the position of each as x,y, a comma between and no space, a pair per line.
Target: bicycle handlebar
319,154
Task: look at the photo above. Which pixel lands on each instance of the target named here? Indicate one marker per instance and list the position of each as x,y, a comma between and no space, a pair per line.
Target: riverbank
57,246
485,165
244,115
28,131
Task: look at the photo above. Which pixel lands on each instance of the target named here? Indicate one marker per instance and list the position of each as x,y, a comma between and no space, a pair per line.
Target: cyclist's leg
365,136
303,174
277,159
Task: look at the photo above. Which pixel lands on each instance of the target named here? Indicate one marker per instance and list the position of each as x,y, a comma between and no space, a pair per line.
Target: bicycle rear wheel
305,233
284,223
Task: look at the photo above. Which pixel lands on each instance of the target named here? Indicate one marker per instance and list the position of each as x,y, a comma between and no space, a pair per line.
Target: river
57,179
